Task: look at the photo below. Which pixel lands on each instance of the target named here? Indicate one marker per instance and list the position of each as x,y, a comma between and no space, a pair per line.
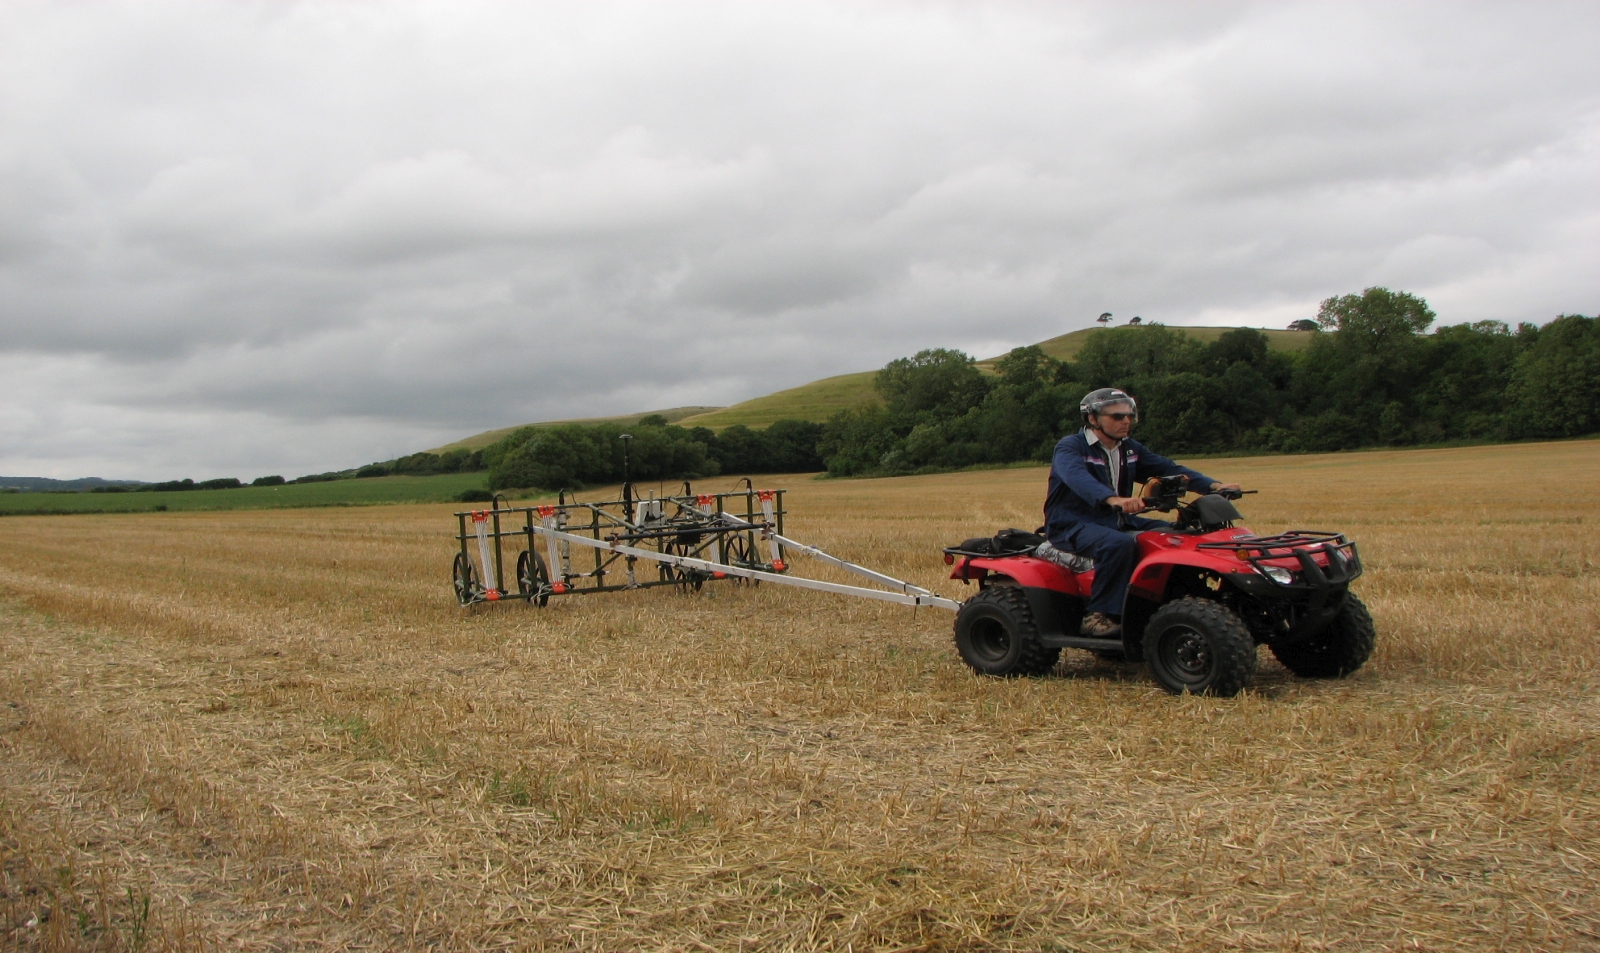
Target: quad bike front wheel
997,635
1199,647
1336,651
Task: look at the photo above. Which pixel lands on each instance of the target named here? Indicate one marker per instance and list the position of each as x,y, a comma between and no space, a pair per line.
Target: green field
393,489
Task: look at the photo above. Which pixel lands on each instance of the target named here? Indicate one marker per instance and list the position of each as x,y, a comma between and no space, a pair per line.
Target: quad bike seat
1017,542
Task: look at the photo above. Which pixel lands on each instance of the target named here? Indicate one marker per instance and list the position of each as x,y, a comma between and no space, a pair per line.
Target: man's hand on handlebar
1127,504
1228,490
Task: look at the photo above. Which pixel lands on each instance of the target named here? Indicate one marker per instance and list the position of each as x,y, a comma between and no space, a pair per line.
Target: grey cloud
350,231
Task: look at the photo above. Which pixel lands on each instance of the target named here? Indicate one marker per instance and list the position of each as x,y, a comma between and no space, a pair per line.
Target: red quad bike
1203,596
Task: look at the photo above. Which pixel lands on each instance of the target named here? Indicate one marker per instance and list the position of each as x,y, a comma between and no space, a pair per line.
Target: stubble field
275,730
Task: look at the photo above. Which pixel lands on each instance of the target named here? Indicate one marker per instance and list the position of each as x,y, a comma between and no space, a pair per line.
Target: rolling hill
821,399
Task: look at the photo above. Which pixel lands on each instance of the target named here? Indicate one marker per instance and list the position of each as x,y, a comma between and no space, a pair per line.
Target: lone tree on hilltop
1304,324
1104,319
1135,321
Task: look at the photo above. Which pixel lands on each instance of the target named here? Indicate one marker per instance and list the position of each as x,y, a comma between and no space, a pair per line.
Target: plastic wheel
533,580
465,579
997,635
1341,648
1199,647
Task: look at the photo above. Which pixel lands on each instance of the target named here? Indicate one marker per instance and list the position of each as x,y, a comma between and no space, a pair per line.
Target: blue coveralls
1075,521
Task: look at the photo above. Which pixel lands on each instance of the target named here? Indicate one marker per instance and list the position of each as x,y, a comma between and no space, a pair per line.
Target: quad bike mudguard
1056,596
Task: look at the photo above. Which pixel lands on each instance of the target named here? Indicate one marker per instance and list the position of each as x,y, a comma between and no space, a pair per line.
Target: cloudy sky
239,239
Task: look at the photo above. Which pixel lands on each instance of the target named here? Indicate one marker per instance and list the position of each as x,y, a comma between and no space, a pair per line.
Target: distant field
394,489
275,730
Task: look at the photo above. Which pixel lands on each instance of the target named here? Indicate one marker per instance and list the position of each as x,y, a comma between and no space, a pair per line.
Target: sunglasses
1121,417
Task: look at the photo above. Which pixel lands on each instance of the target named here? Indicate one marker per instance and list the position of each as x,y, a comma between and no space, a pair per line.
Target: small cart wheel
739,555
465,579
533,580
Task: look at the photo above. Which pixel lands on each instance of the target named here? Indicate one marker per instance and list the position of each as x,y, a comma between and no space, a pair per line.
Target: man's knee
1114,547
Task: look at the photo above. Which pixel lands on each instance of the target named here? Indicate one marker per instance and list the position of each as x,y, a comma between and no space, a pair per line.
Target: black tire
1200,647
532,577
1341,648
465,579
996,635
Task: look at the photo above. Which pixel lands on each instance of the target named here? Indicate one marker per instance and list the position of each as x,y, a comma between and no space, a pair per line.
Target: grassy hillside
817,400
393,489
820,400
674,415
1066,347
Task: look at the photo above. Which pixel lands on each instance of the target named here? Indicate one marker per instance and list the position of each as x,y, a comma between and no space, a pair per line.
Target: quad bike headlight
1278,574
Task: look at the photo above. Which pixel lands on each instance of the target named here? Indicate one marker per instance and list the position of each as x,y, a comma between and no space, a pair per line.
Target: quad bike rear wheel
997,635
1199,647
1336,651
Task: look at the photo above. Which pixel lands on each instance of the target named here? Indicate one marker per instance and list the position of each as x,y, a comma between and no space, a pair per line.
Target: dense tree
934,383
1555,385
576,455
1376,377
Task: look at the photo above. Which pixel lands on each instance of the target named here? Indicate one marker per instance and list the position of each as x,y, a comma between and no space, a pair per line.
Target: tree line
1372,375
575,455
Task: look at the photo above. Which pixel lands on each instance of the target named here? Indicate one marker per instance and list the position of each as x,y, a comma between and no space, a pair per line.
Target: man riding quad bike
1197,595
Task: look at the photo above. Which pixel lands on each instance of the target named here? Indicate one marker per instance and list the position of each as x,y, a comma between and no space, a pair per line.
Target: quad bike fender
1154,572
1026,571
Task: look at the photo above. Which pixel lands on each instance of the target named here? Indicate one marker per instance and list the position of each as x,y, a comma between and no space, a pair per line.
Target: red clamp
763,495
480,516
778,566
545,512
704,500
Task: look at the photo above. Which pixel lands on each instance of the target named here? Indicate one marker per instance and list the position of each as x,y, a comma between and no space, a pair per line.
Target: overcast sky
240,239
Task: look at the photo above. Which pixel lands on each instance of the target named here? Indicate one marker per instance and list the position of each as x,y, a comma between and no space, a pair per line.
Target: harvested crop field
276,730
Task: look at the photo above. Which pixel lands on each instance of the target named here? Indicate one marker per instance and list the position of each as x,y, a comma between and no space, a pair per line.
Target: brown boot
1098,625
